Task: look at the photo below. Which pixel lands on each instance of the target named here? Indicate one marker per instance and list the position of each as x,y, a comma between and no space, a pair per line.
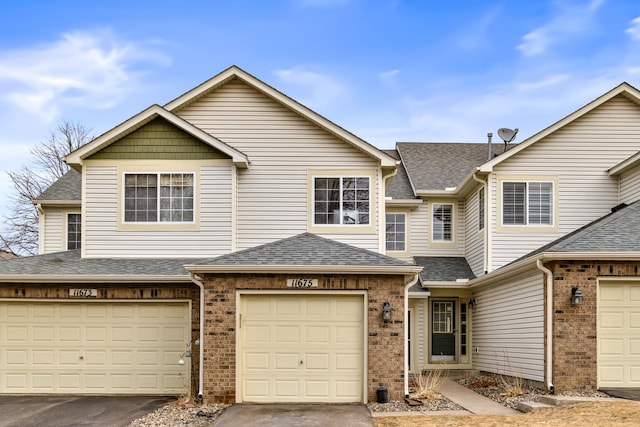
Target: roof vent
619,207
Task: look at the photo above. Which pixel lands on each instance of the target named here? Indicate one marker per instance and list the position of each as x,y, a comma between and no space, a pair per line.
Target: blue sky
386,70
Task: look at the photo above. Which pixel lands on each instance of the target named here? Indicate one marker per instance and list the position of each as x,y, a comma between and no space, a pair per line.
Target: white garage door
619,335
307,348
93,347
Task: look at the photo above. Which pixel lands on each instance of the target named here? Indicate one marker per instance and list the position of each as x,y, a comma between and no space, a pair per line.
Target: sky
385,70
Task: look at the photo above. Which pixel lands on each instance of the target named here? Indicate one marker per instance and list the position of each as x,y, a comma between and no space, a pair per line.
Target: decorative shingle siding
158,140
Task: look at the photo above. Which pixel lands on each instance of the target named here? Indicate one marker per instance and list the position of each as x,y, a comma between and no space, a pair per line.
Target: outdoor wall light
576,296
472,303
187,353
386,312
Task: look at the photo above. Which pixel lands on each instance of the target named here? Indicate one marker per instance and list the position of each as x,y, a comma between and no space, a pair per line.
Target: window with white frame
442,222
481,209
341,200
74,231
527,203
159,197
396,231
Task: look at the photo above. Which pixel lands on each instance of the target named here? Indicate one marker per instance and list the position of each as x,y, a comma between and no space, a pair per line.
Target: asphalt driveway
68,411
294,415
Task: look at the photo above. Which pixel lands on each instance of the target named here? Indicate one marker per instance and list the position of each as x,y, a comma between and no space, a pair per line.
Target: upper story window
341,200
527,203
481,217
442,222
396,231
74,231
159,197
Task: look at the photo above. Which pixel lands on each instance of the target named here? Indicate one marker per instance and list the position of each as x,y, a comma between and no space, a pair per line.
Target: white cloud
389,77
634,29
94,70
569,21
321,90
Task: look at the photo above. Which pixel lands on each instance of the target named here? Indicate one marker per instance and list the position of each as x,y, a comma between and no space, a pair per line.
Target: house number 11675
302,283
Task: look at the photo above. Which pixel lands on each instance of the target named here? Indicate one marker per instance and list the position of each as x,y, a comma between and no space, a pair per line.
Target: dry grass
426,385
610,414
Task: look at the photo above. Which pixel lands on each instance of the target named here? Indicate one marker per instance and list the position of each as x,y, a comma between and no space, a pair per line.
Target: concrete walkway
472,401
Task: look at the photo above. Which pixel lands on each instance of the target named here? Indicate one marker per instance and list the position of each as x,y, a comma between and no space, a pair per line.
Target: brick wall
574,327
385,345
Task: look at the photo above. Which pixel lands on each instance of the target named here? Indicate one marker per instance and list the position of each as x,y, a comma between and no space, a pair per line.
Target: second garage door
93,347
619,335
302,348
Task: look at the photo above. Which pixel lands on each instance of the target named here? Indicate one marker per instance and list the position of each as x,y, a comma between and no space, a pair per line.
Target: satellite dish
507,135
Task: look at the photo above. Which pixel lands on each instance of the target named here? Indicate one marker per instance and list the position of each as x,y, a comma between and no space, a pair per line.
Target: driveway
70,411
623,393
294,415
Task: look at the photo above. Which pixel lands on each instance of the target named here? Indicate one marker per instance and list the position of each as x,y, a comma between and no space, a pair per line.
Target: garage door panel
309,354
92,347
618,339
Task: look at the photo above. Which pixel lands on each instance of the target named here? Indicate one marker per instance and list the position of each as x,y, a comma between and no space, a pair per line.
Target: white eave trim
530,263
386,161
447,284
318,269
139,120
90,279
625,165
409,203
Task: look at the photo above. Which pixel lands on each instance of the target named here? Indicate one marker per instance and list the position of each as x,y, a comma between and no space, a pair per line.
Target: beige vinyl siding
53,233
508,327
474,242
578,156
420,232
212,238
630,186
282,146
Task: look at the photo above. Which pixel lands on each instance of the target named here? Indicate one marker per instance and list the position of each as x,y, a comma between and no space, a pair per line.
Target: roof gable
623,89
302,252
234,72
138,121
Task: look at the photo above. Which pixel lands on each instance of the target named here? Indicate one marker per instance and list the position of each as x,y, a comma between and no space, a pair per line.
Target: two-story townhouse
508,240
235,243
230,242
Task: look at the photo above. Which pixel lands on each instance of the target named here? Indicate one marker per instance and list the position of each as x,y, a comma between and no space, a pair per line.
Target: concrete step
571,400
531,406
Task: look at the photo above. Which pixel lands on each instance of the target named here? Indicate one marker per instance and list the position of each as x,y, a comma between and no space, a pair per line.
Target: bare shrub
427,383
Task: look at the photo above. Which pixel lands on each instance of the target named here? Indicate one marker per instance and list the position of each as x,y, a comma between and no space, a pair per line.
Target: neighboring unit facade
235,245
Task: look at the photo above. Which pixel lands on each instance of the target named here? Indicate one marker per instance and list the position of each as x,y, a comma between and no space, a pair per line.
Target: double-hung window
74,231
159,197
341,200
527,203
442,222
396,231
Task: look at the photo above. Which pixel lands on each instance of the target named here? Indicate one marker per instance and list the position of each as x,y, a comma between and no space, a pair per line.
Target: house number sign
302,283
83,293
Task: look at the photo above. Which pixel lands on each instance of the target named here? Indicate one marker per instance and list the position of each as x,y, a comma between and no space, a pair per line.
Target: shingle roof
400,187
68,187
437,166
444,269
71,264
305,249
618,231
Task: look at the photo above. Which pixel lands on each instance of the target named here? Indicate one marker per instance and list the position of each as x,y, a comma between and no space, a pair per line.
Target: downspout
41,225
198,282
549,326
406,332
485,254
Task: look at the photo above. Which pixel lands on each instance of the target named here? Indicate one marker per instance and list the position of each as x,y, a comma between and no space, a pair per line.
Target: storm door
443,331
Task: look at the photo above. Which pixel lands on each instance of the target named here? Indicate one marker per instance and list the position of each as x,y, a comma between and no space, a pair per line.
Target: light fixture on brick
576,296
386,312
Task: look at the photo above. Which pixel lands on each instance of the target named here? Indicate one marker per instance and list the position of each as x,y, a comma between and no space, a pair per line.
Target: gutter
549,325
311,269
406,332
45,278
198,282
484,226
